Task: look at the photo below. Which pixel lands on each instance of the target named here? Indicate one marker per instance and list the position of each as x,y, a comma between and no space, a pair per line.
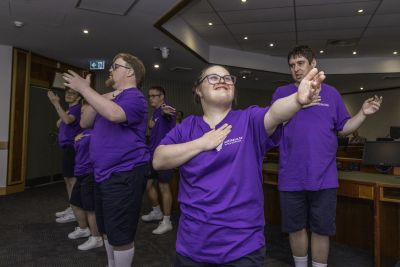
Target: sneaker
69,217
79,232
162,228
92,242
153,216
64,212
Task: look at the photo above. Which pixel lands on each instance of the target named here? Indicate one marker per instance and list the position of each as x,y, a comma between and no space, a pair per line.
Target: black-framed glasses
215,78
115,66
151,96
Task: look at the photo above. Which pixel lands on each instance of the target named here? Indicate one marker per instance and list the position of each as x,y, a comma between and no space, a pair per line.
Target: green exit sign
96,64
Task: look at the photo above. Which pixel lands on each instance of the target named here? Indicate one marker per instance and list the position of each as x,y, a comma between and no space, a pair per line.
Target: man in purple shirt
69,127
162,121
119,152
308,178
220,156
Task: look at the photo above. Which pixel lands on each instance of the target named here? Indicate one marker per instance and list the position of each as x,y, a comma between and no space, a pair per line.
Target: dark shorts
318,208
254,259
161,176
68,161
82,194
118,202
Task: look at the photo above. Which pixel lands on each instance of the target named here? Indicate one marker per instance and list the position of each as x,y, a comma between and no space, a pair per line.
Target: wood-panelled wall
28,69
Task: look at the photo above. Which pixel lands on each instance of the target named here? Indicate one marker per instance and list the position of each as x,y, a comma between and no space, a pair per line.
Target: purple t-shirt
117,147
67,132
221,191
162,125
308,148
83,164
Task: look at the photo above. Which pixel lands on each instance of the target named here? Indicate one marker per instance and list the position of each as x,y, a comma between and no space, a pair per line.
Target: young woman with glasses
220,157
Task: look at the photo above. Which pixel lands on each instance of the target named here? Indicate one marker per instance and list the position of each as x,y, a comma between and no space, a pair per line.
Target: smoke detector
18,24
164,51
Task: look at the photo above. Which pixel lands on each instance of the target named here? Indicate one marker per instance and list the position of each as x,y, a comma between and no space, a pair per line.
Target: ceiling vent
180,69
120,7
342,43
391,77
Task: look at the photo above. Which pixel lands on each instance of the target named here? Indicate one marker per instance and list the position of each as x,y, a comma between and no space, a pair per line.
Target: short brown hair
302,51
159,88
136,64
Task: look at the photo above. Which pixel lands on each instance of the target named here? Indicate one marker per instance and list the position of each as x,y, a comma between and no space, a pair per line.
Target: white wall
5,96
377,125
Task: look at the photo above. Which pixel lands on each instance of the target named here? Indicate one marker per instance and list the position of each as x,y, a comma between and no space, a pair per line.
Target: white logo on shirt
229,142
219,147
323,104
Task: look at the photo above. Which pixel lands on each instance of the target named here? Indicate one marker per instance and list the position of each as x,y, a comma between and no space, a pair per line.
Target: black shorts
255,258
118,202
68,161
161,176
316,207
82,194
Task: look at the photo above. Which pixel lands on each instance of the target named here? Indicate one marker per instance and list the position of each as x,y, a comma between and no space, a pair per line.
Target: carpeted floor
29,236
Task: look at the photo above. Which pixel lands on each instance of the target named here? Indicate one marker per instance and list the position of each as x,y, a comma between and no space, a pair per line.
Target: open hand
372,105
168,110
53,97
215,137
310,87
74,81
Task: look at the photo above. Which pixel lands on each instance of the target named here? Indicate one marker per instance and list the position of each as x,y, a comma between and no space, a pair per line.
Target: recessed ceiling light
271,44
360,10
361,88
245,38
210,24
395,52
156,66
354,52
256,78
321,51
85,31
244,1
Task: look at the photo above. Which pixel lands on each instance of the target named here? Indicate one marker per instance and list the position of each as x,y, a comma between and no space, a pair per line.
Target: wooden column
18,122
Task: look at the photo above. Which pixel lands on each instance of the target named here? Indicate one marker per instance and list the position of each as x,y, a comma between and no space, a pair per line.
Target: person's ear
313,63
131,73
198,92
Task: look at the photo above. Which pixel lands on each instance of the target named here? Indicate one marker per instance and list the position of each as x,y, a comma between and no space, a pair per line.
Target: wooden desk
376,189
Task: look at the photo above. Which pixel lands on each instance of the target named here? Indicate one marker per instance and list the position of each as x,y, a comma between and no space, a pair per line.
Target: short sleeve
276,95
173,137
257,115
134,105
76,112
342,115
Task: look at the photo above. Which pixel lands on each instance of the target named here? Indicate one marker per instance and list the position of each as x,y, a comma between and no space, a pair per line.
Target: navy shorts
255,258
82,194
161,176
318,208
118,203
68,161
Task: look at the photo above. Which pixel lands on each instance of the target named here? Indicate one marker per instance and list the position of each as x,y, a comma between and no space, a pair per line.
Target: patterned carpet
29,236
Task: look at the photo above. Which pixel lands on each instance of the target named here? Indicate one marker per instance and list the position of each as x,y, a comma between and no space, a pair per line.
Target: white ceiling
53,28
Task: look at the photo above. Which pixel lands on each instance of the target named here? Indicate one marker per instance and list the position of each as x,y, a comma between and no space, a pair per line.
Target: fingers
73,73
310,76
